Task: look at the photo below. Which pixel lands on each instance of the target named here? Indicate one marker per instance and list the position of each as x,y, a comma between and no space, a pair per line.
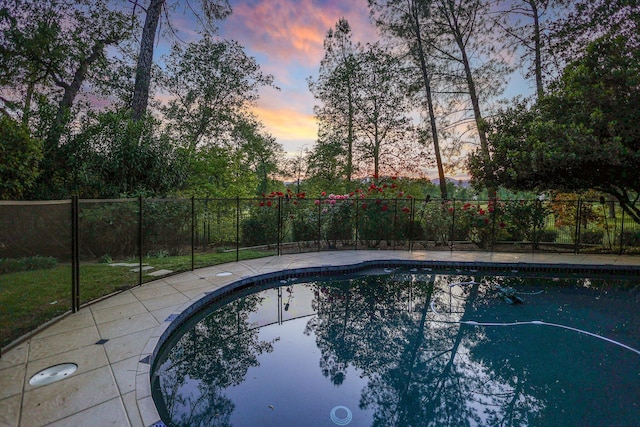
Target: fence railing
56,256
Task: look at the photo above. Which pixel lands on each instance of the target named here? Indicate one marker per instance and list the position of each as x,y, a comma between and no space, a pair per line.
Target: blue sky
286,37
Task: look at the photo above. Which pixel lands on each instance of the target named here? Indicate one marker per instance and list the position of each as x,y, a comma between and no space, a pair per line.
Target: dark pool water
409,348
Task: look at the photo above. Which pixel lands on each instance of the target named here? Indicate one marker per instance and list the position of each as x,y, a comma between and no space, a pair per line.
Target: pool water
408,348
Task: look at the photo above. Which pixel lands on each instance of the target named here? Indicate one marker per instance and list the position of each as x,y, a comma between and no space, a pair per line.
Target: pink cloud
287,30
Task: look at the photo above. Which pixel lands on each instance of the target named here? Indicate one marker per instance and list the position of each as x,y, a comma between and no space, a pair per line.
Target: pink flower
324,193
316,202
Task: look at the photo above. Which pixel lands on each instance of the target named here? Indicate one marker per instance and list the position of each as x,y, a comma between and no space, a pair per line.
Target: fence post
576,236
493,223
279,230
75,256
193,232
319,224
622,231
140,238
237,228
534,237
357,224
412,218
395,223
453,222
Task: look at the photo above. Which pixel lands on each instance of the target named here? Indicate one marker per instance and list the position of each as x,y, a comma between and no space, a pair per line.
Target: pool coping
113,381
163,333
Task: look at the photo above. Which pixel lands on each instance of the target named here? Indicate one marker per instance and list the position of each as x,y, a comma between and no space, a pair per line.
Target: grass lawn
28,299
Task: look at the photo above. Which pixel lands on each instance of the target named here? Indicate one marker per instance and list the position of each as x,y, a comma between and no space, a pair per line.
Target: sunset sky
286,37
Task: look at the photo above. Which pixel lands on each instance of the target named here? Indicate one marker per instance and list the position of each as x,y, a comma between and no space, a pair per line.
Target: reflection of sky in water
395,354
290,381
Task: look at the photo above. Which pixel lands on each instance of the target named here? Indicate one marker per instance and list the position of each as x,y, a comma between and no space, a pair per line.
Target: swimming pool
407,347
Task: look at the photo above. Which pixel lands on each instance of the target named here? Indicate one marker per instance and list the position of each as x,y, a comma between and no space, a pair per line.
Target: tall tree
212,10
51,50
527,25
334,88
465,41
405,20
212,84
588,20
382,111
584,134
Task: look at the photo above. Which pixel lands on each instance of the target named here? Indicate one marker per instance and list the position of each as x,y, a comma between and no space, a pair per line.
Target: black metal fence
56,256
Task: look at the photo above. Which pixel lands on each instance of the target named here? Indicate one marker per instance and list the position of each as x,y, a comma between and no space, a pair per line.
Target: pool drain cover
341,415
53,374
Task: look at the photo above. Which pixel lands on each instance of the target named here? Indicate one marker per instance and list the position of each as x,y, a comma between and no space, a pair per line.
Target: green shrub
547,236
629,238
13,265
591,237
261,228
336,222
305,227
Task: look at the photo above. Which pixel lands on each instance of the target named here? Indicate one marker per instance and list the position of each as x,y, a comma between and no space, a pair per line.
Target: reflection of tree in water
546,363
213,355
420,369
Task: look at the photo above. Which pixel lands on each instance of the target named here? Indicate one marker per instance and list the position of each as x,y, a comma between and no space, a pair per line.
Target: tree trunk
70,92
145,60
350,132
473,94
427,86
537,49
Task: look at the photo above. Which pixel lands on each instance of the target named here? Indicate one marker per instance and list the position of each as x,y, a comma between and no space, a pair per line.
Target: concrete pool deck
111,340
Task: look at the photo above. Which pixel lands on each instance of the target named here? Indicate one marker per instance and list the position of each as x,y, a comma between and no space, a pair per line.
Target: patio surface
111,340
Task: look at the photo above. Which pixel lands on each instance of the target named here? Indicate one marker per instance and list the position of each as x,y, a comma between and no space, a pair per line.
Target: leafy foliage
582,135
20,156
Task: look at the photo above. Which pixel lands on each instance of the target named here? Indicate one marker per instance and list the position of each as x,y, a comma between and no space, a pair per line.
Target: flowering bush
384,213
526,220
381,212
484,224
336,219
433,222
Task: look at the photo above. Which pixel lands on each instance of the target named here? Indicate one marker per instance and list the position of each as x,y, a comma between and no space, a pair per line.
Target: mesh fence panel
166,237
116,237
108,234
259,225
35,269
215,231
